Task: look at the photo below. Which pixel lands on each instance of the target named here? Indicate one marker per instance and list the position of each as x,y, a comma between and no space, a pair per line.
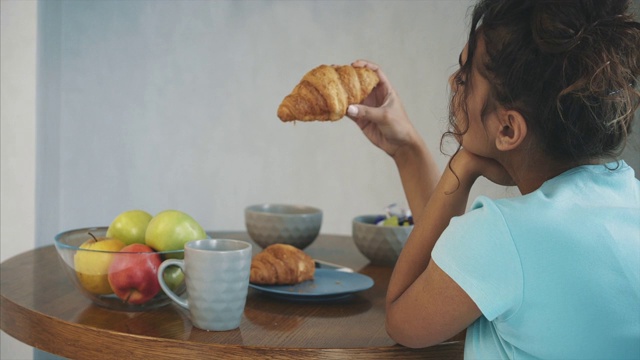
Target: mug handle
171,262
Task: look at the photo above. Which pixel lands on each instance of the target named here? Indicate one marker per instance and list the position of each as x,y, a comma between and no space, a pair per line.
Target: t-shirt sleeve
477,251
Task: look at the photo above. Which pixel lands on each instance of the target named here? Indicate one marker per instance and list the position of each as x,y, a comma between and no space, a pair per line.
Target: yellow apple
92,267
130,226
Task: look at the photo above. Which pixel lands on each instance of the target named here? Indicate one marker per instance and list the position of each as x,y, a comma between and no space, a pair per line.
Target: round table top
42,308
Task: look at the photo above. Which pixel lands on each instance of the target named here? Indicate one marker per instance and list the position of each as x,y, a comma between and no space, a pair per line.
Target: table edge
69,335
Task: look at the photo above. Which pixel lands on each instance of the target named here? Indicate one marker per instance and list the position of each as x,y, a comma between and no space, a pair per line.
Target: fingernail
352,110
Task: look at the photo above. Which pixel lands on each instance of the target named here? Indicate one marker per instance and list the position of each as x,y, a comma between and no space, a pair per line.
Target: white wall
173,104
18,140
18,104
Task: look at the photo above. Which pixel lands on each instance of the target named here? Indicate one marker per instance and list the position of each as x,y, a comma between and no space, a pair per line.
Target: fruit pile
125,262
395,216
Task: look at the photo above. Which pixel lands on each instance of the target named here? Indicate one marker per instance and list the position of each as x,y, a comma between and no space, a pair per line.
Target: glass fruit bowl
118,280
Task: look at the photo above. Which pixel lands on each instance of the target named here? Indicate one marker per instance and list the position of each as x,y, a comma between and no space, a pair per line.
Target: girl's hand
382,117
469,166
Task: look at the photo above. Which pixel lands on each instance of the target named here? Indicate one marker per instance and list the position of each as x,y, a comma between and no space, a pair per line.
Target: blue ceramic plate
326,285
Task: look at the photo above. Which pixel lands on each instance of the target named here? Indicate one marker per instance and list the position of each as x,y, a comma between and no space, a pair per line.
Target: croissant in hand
281,264
325,92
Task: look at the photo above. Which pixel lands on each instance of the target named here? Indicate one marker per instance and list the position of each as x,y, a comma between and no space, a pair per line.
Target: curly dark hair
570,67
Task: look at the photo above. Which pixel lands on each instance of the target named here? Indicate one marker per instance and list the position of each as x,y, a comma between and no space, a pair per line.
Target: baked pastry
281,264
325,92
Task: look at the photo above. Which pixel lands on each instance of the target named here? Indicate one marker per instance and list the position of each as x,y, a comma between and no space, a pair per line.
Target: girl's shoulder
592,186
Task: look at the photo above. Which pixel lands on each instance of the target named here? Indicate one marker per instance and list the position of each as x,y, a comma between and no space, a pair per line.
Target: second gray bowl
296,225
380,244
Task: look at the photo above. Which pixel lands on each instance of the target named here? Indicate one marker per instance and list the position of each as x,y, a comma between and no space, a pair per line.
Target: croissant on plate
281,264
325,92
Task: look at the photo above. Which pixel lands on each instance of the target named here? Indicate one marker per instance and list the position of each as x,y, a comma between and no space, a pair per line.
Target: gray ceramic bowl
296,225
380,244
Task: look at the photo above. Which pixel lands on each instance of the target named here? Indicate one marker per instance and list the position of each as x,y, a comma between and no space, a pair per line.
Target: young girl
544,99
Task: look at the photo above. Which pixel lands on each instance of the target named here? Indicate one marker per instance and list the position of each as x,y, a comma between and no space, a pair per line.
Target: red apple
133,274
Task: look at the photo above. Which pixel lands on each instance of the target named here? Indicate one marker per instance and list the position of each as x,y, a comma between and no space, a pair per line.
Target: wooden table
41,308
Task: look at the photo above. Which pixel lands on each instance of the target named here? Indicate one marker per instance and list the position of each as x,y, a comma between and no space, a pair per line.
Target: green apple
92,267
174,278
171,229
130,226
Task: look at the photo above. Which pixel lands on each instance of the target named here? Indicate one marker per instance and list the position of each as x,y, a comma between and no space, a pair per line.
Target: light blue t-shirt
556,273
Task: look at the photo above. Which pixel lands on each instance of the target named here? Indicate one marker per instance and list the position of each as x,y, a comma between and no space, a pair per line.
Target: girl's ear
512,131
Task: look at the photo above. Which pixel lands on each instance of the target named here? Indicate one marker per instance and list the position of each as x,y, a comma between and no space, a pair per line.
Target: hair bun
559,26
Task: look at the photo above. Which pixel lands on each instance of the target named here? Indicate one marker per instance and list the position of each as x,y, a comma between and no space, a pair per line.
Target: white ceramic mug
217,279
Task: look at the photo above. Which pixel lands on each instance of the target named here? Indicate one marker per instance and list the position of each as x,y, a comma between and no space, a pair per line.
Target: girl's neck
530,170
